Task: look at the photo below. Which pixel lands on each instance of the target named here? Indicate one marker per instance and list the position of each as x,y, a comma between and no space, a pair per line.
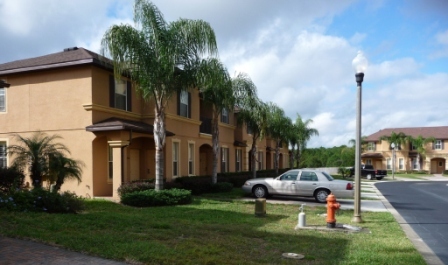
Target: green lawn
214,230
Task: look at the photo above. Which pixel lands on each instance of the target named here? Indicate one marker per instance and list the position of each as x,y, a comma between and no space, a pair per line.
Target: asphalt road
423,206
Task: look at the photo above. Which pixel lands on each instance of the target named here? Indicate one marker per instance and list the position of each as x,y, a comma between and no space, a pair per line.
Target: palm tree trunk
215,142
159,140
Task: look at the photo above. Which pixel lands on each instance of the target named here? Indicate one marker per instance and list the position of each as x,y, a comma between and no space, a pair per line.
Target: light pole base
357,219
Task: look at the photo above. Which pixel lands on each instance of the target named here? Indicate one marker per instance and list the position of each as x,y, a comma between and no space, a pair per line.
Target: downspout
122,156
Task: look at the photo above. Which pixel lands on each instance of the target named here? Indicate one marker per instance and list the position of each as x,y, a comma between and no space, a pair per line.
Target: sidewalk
24,252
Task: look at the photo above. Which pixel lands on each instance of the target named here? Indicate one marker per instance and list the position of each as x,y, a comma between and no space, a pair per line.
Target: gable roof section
436,132
68,57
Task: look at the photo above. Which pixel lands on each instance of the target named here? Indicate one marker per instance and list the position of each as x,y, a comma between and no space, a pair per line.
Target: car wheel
260,192
321,195
379,178
369,176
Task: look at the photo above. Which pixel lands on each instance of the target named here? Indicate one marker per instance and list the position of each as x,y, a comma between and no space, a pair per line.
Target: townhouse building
108,126
380,153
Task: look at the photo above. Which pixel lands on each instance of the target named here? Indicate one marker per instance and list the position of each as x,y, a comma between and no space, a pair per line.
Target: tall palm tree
304,132
34,153
255,115
160,58
419,143
278,129
62,168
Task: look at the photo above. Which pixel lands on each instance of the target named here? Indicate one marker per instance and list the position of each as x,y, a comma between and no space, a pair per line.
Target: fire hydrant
332,206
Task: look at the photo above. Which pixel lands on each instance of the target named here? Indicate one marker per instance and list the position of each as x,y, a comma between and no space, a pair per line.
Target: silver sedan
300,182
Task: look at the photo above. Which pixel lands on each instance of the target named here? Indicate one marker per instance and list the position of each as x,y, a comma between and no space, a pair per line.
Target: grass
214,229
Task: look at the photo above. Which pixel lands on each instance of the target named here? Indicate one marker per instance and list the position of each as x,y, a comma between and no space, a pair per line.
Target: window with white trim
224,159
175,159
371,146
225,116
438,145
3,161
2,99
238,156
401,163
190,158
110,163
260,161
389,163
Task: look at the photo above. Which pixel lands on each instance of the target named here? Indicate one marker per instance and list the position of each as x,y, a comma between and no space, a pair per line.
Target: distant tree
419,143
161,59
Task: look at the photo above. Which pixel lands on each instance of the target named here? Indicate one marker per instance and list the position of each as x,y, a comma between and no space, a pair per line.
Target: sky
297,52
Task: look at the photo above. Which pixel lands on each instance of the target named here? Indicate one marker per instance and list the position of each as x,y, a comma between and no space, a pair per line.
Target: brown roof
68,57
440,132
117,124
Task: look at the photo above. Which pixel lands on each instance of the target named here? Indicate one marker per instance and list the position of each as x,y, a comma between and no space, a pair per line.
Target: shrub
11,178
131,187
156,198
40,200
222,187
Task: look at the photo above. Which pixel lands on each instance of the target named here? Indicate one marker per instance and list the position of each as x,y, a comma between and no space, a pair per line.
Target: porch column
118,167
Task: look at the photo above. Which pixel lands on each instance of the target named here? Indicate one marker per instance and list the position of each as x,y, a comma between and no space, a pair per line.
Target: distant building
379,153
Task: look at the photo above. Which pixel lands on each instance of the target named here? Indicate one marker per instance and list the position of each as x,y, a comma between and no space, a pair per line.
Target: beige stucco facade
73,101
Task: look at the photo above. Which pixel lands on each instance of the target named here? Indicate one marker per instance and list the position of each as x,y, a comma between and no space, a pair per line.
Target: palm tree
34,153
419,143
160,58
304,132
62,168
255,115
278,129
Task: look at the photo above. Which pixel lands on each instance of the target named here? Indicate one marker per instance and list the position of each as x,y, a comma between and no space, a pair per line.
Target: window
2,155
224,159
190,158
438,145
415,164
111,163
401,163
368,161
2,99
371,146
308,176
225,116
238,155
175,159
389,163
184,104
260,160
120,94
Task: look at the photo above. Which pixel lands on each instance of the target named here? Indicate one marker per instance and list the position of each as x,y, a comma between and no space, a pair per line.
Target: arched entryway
205,160
437,165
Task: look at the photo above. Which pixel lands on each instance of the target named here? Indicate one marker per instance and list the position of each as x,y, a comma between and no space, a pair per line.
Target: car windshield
328,176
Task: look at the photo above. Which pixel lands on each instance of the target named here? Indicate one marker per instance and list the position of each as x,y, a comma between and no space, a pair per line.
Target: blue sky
298,52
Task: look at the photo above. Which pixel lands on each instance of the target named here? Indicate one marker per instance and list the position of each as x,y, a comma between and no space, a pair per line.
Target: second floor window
120,94
371,146
184,104
438,145
2,99
225,116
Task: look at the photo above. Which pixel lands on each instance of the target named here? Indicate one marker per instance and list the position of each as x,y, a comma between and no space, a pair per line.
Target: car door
307,183
286,184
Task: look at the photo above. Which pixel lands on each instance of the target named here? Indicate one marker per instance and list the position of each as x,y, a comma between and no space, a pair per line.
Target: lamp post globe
359,65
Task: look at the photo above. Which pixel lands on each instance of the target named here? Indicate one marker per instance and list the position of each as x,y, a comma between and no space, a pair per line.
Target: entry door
135,164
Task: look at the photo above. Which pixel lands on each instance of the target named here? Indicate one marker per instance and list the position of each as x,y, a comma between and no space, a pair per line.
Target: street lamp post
360,65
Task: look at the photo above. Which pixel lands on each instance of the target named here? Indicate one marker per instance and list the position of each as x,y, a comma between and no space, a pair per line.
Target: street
422,206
